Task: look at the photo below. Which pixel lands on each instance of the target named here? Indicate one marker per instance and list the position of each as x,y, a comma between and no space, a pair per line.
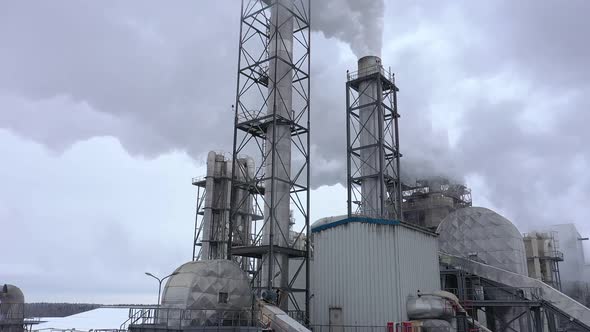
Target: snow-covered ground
101,318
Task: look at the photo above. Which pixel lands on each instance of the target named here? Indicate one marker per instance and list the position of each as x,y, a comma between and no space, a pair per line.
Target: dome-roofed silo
208,284
483,235
12,303
206,291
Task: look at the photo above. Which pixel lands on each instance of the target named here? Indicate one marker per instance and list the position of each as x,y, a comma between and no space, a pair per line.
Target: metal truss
272,127
495,300
364,142
199,182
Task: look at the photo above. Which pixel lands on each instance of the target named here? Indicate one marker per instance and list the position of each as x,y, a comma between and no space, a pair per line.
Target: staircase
551,299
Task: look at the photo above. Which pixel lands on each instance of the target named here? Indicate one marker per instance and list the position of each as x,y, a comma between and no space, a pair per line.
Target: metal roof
323,226
331,222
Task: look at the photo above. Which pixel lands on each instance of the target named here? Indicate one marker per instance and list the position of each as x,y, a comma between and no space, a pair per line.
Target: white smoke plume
356,22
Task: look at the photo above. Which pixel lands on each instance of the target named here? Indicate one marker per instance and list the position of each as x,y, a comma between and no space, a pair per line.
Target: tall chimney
371,158
373,182
277,194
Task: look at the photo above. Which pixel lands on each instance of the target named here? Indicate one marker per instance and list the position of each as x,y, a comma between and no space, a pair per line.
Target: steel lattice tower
272,126
373,157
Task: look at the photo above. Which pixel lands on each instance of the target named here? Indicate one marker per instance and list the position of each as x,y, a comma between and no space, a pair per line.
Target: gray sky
108,107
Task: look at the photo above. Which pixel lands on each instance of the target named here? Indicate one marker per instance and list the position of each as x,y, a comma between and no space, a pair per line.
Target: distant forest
57,309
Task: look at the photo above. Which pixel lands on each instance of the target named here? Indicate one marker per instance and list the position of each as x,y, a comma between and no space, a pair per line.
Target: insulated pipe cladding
208,222
275,267
432,306
370,117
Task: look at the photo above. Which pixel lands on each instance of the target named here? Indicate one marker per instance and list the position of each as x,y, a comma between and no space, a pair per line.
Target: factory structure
543,257
428,201
405,257
574,273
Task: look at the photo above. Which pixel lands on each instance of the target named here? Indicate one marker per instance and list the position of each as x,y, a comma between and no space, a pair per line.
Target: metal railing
397,327
136,315
557,254
259,117
197,179
296,240
171,318
250,115
179,318
485,293
353,75
298,315
74,330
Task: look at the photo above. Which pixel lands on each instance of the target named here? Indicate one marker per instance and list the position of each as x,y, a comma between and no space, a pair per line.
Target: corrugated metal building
363,270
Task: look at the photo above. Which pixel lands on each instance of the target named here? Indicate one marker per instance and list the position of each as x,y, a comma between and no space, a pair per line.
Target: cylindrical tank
205,291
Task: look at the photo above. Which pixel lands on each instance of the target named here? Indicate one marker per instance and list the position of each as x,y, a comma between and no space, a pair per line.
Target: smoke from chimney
356,22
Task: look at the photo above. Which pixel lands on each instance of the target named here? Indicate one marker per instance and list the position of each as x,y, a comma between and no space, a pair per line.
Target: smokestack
272,119
279,145
372,141
371,158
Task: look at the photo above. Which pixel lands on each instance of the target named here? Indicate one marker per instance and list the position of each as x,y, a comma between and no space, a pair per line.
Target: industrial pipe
455,301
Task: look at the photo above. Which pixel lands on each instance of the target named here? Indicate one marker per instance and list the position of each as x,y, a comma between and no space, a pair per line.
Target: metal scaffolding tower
272,126
373,162
200,183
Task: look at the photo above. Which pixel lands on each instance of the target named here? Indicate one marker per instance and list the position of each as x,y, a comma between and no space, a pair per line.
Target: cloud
156,68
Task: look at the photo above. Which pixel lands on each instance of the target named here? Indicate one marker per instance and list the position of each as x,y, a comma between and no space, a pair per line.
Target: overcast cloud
108,107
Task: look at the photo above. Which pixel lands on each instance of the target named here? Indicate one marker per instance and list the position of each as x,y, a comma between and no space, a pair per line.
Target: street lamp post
160,280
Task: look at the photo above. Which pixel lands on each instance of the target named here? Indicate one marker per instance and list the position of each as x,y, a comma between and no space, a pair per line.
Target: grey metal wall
418,262
369,270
